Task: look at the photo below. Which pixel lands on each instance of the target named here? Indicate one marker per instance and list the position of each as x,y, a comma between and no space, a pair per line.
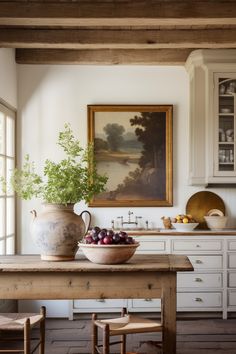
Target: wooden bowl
108,254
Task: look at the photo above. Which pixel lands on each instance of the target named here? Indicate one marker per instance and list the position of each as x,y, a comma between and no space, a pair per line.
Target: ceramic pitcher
57,231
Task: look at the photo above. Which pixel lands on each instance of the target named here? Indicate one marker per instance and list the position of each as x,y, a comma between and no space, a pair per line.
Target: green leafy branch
73,179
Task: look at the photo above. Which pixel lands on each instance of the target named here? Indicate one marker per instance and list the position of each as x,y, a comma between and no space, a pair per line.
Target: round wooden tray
200,203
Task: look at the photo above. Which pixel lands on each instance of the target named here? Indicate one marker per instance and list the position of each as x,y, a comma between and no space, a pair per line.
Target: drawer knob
198,299
198,280
100,300
147,299
198,246
198,261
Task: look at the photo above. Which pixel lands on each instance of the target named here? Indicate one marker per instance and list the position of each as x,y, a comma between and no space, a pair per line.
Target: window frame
8,112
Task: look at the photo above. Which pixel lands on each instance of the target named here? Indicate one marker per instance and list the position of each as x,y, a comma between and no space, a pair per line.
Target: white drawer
232,280
232,260
232,298
152,303
232,245
100,303
206,262
199,280
151,246
197,245
199,300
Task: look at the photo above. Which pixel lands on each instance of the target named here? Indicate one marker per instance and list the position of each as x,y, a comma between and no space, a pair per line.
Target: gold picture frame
133,146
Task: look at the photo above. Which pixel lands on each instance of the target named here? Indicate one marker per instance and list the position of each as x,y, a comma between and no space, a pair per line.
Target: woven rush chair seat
16,321
131,324
21,323
122,326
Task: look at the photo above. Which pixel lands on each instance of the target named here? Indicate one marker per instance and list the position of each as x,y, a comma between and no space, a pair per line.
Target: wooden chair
126,324
22,322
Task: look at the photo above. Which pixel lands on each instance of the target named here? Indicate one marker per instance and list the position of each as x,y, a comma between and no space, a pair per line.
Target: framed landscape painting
133,147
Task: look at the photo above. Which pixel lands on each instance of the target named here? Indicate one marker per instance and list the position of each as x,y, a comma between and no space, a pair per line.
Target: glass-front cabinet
225,123
212,117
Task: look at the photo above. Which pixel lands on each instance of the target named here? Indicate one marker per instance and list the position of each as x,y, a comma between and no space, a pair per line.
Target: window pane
10,216
2,247
2,172
10,142
10,168
1,166
10,245
2,133
2,217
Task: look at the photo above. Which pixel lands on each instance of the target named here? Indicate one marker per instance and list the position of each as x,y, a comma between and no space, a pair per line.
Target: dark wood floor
205,336
196,336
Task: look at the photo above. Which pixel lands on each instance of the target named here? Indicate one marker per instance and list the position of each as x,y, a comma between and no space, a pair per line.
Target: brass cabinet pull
198,280
198,299
100,300
198,261
147,299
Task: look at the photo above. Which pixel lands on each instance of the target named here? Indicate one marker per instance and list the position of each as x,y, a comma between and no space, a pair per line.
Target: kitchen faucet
129,221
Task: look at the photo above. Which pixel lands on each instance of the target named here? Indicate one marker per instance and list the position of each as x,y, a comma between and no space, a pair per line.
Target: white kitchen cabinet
195,301
145,304
232,300
211,287
231,275
232,280
205,262
200,280
196,245
84,306
212,119
232,260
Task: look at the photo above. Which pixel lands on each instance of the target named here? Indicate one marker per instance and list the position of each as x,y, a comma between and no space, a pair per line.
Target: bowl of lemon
184,223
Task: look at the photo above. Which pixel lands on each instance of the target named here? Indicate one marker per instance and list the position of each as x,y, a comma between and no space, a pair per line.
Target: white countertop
197,232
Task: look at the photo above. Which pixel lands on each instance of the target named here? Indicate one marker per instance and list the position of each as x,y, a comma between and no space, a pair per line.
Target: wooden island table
144,276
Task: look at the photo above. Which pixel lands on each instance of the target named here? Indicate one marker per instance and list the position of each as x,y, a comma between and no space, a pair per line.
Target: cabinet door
199,280
206,262
224,115
196,245
106,305
199,300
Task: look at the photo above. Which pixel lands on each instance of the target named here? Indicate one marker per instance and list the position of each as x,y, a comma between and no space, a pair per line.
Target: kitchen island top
27,277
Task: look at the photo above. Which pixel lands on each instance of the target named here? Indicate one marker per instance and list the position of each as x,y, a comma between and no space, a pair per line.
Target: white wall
8,77
49,96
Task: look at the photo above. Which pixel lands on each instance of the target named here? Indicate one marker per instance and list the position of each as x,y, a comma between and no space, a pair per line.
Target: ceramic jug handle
89,222
34,213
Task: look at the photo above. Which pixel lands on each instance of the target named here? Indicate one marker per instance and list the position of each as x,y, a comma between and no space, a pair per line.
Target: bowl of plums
104,246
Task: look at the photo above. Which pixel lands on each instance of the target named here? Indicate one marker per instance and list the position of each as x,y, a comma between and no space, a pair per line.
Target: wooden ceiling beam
117,39
103,56
113,13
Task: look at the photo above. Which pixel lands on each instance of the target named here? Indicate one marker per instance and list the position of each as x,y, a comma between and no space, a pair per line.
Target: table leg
169,314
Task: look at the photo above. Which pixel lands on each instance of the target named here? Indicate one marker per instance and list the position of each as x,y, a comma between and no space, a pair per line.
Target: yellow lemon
185,220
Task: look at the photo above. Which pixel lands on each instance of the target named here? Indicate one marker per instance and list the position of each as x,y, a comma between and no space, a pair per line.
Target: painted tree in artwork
151,127
114,134
100,144
150,178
